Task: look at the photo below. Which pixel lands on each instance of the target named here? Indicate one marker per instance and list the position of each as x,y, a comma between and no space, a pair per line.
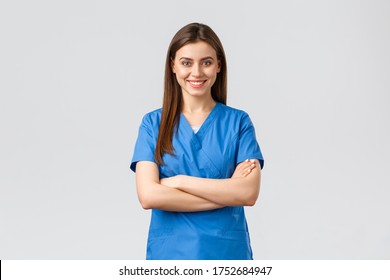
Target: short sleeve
248,147
145,144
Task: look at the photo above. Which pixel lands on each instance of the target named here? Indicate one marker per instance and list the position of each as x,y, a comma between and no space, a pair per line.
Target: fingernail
253,164
252,160
249,170
246,160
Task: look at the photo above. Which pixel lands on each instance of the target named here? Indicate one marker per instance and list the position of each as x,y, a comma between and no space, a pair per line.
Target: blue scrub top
226,138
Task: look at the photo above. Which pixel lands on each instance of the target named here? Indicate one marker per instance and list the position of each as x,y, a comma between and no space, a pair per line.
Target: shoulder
232,110
233,115
152,118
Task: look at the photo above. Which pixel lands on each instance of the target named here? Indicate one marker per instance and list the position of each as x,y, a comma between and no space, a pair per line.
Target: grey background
76,77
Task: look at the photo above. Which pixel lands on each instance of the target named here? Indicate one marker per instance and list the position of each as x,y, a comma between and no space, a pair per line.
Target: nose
196,70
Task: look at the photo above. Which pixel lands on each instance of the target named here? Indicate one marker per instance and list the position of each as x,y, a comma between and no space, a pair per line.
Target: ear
219,66
173,66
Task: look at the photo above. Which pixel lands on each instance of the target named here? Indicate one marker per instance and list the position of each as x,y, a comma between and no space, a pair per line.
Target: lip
196,83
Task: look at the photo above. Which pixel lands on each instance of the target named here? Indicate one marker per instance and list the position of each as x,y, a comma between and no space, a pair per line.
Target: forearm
228,192
153,195
169,199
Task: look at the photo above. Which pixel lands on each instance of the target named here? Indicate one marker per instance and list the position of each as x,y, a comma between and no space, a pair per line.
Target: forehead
196,50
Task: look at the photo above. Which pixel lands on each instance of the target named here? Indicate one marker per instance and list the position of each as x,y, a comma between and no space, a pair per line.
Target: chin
197,94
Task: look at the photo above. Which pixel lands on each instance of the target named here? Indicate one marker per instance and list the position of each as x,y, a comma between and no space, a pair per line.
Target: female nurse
197,160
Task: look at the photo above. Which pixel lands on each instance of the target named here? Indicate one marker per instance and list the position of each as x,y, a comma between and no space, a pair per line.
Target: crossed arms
183,193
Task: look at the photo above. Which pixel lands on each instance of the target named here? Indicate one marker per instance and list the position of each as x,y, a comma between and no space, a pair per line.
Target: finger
249,170
243,166
250,167
248,164
244,163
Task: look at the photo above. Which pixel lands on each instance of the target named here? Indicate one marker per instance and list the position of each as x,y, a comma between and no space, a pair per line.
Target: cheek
213,70
212,73
181,73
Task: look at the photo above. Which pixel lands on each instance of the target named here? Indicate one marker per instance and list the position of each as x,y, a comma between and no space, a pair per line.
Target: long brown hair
172,100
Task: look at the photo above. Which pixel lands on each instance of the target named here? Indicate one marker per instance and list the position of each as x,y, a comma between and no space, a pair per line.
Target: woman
197,160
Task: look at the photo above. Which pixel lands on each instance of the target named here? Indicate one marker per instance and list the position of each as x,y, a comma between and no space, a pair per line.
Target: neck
193,104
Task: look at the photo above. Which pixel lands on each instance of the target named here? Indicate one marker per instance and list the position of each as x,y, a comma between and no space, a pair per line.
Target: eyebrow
187,58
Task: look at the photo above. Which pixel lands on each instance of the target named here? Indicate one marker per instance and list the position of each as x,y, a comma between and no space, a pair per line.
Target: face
196,67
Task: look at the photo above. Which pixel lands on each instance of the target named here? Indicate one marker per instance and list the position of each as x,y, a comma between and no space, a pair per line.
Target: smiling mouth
197,83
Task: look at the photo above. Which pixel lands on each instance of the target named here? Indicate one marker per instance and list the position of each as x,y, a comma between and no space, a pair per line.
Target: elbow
251,197
250,194
146,197
145,202
145,206
250,201
247,200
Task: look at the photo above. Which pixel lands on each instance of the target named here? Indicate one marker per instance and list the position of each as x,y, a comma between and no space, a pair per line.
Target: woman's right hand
244,168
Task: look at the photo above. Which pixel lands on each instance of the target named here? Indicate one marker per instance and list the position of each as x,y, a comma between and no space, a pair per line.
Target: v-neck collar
205,125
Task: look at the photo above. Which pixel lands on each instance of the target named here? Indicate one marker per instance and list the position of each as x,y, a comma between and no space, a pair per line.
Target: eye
207,62
185,63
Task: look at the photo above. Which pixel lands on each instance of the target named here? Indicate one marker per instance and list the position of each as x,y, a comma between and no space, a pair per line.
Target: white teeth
197,83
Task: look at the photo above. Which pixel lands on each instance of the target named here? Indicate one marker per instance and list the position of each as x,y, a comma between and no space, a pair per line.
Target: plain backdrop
76,77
